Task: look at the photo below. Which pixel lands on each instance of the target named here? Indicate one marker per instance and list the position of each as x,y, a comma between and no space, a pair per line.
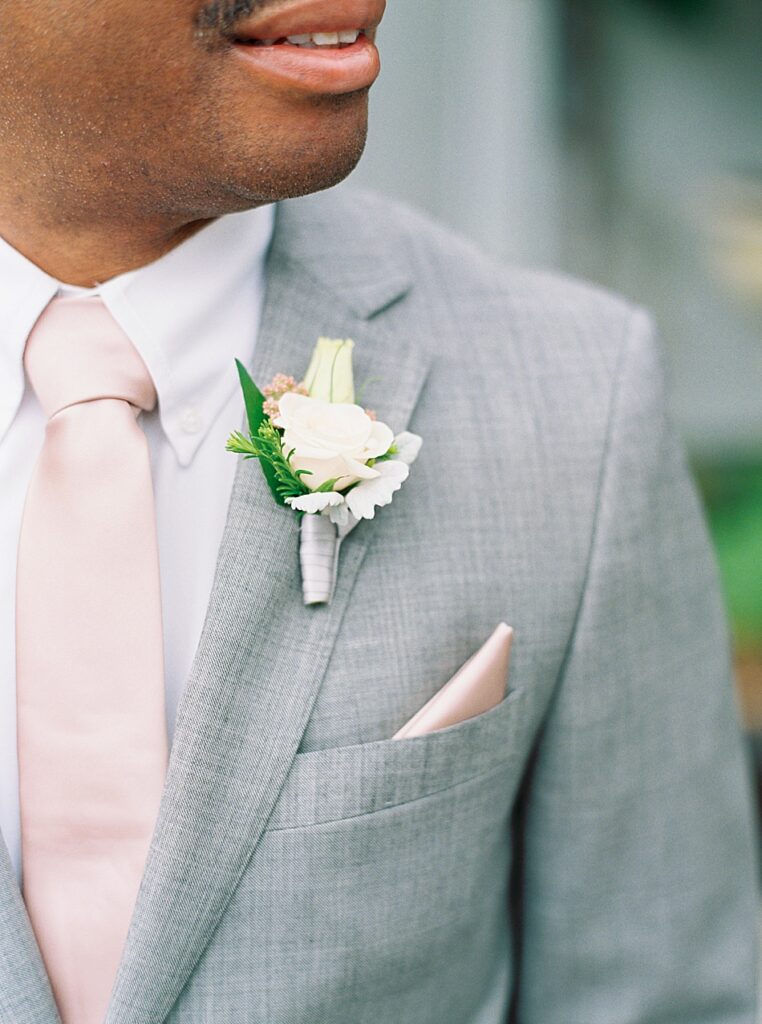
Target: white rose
333,440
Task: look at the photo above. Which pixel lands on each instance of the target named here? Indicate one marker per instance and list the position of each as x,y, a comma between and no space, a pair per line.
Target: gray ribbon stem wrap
319,544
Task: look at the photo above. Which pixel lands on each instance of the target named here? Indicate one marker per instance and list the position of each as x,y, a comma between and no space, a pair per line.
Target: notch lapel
25,994
262,654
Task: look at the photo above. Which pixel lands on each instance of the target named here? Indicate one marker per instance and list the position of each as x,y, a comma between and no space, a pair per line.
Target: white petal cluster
363,500
407,446
316,501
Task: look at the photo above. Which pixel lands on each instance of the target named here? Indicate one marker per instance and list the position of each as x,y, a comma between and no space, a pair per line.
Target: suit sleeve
638,886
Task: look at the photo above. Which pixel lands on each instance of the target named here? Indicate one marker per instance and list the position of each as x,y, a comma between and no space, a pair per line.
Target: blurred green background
621,142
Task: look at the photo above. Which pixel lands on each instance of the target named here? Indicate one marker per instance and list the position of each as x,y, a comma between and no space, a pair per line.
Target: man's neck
89,255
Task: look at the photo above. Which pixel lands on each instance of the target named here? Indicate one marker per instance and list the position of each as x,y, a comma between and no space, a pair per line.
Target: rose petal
287,407
380,440
359,469
321,470
318,429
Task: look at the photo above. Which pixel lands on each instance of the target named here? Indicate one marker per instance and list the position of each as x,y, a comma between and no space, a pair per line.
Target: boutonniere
329,460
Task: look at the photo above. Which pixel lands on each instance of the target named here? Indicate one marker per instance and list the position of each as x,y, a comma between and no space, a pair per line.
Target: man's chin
304,181
316,161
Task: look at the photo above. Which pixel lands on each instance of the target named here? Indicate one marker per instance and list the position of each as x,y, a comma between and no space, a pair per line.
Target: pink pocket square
478,686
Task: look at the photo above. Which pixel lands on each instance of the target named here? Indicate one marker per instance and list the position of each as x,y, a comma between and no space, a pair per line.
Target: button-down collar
189,314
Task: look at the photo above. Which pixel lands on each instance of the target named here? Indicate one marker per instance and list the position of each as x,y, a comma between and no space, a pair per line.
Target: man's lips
306,17
316,46
322,70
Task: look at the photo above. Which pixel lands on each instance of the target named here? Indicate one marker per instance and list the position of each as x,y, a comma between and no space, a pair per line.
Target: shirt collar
25,291
189,314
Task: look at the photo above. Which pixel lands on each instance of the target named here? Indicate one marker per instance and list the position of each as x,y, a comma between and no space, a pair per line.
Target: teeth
346,36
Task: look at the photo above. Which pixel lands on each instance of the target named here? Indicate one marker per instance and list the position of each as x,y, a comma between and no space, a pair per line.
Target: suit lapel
262,654
25,995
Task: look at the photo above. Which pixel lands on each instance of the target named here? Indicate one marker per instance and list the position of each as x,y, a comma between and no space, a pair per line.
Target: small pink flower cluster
279,386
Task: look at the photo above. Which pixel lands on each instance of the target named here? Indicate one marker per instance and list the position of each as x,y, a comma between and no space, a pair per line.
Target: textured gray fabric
306,869
25,996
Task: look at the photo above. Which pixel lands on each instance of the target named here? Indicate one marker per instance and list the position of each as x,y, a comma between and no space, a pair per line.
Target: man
195,760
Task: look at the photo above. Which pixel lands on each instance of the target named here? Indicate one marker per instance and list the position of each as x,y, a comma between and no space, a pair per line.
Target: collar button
191,420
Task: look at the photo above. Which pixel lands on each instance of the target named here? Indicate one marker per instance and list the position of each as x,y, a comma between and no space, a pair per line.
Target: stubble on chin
295,168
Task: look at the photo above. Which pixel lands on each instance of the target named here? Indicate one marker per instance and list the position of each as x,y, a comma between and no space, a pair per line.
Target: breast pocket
382,876
362,779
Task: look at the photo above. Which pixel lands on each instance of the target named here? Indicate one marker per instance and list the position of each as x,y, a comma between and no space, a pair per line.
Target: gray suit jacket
583,852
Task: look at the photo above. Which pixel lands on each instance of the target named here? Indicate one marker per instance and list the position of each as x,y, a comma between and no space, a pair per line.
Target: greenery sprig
283,480
266,446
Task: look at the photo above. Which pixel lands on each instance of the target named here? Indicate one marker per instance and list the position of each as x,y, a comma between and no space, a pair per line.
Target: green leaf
254,401
327,485
253,398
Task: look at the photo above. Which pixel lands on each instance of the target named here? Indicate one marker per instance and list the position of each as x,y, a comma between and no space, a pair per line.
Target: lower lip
324,70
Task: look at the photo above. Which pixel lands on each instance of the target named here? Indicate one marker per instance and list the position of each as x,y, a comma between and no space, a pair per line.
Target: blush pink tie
90,676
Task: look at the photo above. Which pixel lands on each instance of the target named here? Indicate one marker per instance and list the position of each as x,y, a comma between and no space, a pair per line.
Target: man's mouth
315,46
310,24
312,40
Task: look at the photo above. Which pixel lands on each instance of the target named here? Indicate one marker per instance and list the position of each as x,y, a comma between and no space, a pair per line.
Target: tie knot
77,352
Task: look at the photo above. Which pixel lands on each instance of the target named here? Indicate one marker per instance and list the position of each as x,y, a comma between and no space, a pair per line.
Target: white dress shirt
189,314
